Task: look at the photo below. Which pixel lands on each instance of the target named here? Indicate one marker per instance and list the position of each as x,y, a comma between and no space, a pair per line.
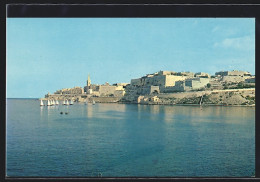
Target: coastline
230,97
167,104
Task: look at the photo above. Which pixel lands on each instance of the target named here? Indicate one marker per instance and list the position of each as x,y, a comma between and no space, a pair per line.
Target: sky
48,54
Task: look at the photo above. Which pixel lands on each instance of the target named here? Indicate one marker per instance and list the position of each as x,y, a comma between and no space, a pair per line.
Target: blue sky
47,54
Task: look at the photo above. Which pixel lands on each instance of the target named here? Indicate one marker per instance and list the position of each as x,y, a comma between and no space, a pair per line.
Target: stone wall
75,90
196,83
234,79
171,79
104,99
119,93
232,73
106,90
157,80
216,97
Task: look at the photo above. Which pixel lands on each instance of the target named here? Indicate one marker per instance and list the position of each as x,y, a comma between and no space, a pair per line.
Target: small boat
67,102
41,104
48,103
64,103
93,102
57,102
71,102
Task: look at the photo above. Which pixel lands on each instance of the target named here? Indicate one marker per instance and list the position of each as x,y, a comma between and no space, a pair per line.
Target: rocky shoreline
230,97
236,97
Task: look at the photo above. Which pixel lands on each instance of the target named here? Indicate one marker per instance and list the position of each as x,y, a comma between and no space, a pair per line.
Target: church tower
88,81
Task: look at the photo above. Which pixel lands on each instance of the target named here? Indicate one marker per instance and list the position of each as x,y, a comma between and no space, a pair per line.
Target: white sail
48,103
71,102
93,102
52,102
57,102
67,102
41,103
64,102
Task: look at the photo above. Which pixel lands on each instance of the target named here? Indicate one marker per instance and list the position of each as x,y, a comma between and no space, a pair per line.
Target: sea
128,140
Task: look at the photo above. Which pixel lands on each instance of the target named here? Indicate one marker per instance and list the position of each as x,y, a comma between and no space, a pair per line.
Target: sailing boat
93,102
67,102
48,103
57,102
64,103
52,102
41,104
71,102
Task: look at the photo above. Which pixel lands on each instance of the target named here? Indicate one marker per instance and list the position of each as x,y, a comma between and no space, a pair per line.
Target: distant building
162,79
233,79
202,75
75,90
196,83
233,73
105,90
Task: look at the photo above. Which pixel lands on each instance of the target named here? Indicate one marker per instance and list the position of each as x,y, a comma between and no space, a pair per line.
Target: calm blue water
123,140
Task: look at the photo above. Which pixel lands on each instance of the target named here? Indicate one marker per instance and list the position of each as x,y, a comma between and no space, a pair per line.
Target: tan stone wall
104,99
119,93
166,72
158,80
75,90
106,90
202,74
120,87
171,79
237,73
233,79
200,93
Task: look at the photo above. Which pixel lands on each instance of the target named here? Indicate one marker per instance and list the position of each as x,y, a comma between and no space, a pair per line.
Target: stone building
196,83
233,79
186,74
116,90
161,78
233,73
202,75
234,76
187,85
105,90
75,90
119,93
159,82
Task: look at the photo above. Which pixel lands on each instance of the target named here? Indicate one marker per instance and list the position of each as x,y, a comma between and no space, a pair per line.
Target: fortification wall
104,99
233,79
106,89
171,79
200,93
